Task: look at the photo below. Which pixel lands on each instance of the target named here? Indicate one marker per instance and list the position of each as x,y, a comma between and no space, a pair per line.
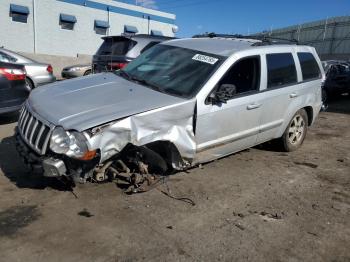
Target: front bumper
43,79
51,165
39,165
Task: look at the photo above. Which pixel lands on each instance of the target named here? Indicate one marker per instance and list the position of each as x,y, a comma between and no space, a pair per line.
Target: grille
34,131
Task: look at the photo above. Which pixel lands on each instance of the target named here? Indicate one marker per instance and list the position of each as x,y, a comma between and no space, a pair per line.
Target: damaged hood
90,101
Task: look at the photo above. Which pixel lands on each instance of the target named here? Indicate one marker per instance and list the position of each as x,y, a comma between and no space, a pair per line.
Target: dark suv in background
337,79
117,51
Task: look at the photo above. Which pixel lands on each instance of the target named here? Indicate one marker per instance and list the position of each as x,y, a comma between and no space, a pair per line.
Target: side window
280,70
309,66
6,58
244,75
148,46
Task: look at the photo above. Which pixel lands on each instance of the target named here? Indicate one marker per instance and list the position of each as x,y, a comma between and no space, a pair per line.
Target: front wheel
87,72
295,132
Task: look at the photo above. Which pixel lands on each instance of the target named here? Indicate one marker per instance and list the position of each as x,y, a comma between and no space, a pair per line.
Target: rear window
148,46
112,46
309,66
281,70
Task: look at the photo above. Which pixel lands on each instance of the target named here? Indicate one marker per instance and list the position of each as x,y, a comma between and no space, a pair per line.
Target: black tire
87,72
29,84
324,96
295,132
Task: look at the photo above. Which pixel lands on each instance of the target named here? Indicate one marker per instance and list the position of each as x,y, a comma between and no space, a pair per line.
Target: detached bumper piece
54,167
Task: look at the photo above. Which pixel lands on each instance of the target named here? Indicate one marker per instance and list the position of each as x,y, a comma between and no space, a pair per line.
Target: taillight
116,66
49,69
13,74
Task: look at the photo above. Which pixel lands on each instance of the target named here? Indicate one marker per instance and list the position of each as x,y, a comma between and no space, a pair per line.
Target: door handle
293,95
253,106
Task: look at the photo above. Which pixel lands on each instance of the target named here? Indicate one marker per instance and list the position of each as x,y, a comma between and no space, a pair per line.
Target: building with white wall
72,27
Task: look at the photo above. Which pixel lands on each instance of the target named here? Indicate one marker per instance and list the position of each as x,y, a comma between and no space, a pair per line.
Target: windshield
173,70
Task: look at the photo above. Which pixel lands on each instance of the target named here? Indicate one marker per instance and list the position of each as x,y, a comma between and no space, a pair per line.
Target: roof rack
265,39
139,35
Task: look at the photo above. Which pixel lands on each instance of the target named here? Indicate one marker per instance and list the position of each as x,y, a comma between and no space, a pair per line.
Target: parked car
117,51
180,103
37,73
13,91
76,71
337,80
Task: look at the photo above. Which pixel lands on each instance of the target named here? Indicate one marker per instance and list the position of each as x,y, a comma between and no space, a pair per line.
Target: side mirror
224,93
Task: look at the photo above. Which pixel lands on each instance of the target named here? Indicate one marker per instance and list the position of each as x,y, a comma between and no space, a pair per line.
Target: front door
224,128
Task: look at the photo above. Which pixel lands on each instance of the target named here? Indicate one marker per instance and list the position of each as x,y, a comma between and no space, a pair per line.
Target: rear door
281,90
293,81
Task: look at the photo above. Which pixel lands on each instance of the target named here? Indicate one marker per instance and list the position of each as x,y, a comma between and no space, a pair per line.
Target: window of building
19,13
281,70
130,29
67,22
101,27
309,66
244,75
156,33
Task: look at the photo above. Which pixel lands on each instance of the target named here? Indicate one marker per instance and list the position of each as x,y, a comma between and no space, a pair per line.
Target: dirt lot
257,205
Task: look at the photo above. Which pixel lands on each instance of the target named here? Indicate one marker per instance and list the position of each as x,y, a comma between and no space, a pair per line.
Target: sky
243,16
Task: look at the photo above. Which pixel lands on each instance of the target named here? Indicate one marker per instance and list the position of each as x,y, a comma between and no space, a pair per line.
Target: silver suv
181,103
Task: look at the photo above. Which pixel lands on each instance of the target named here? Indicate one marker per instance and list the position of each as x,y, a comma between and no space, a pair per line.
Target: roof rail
265,39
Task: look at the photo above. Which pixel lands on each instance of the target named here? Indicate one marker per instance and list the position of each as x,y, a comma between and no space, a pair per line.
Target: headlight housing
70,143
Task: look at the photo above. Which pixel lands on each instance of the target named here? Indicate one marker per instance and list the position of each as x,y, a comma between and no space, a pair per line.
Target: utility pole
109,28
325,29
34,27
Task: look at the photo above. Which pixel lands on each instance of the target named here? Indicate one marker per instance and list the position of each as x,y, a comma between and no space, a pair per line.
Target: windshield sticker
205,59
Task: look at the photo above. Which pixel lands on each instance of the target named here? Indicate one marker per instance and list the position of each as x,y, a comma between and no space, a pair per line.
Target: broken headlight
70,143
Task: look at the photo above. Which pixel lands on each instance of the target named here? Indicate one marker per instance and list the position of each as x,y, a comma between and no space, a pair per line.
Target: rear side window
6,58
116,46
309,66
148,46
280,69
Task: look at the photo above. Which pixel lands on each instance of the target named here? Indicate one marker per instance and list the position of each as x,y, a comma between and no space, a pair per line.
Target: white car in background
37,73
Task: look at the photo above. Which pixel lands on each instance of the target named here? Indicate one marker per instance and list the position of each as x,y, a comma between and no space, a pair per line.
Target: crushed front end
33,137
134,147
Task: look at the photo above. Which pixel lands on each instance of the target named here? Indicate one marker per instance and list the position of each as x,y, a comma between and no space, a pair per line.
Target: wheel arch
31,81
310,114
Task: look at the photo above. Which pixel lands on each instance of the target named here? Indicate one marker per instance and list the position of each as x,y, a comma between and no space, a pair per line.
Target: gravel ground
256,205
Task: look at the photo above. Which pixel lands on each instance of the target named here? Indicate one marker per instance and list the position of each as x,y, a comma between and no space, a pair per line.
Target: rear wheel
295,132
29,84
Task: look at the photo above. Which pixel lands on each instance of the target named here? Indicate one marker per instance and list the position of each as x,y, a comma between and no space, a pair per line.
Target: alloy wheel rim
296,129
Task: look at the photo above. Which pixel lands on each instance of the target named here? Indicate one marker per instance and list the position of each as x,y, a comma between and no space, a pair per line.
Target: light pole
34,27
